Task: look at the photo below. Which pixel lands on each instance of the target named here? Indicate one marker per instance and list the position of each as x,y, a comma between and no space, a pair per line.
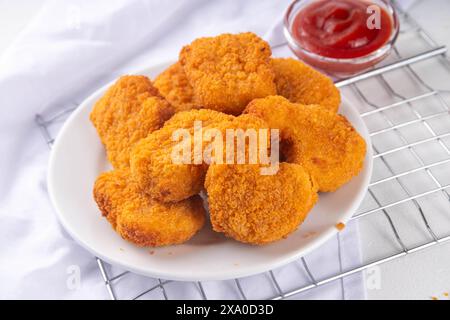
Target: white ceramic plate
77,159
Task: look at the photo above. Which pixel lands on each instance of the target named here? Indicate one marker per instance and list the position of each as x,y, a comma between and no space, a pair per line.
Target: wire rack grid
387,122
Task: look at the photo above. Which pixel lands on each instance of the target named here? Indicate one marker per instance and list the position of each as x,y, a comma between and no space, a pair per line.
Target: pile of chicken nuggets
227,81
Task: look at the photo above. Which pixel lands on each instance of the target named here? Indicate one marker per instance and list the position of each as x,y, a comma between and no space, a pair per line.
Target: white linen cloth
69,50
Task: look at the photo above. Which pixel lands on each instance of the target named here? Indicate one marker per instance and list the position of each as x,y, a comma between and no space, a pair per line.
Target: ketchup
339,29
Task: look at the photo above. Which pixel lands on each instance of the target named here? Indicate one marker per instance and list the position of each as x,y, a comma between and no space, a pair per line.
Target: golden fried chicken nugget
228,71
173,85
128,112
258,209
141,220
154,167
325,143
154,162
300,83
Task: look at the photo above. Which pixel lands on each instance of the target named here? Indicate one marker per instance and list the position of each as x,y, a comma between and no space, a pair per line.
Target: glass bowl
340,67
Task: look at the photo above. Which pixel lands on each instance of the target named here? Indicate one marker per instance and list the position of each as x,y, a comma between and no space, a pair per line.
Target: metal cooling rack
435,122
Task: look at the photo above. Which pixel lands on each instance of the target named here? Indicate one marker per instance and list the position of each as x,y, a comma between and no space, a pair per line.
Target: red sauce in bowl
342,29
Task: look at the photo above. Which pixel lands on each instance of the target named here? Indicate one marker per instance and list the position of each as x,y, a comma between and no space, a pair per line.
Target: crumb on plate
309,234
340,226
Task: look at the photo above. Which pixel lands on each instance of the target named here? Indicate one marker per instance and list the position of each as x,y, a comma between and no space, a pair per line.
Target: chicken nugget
175,87
128,112
154,162
228,71
324,142
258,209
300,83
143,221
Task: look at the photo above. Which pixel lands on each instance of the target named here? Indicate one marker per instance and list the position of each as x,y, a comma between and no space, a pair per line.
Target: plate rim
231,273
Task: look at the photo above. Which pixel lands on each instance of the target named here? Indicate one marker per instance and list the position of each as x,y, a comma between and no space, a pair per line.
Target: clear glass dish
340,67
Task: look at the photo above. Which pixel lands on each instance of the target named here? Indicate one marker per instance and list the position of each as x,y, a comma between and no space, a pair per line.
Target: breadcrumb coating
173,85
228,71
152,165
258,209
141,220
300,83
325,143
128,112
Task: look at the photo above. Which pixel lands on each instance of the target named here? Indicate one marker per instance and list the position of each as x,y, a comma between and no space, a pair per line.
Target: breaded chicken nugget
242,140
175,87
257,209
300,83
141,220
128,112
152,160
153,166
228,71
325,143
